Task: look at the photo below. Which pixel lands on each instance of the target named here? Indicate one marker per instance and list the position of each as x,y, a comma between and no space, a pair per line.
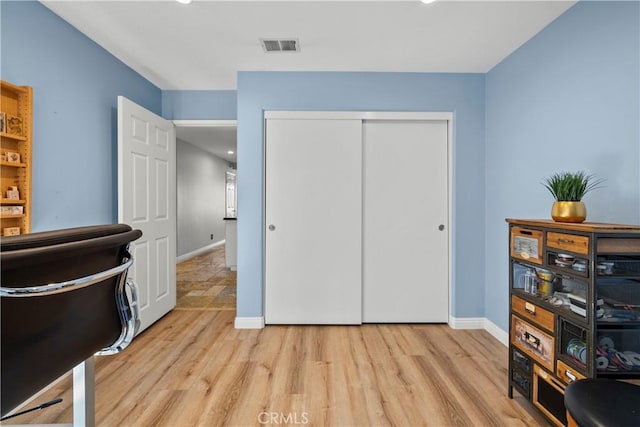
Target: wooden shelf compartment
3,216
12,164
12,136
4,201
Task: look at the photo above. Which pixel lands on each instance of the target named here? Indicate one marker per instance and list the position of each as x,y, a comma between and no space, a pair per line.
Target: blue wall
462,94
199,104
569,99
75,87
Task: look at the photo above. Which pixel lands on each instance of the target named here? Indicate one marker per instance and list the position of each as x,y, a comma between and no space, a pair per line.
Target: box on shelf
13,157
578,305
533,342
12,210
526,244
11,231
13,125
13,193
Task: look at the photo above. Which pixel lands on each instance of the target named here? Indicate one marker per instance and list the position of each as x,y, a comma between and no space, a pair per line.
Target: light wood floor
194,369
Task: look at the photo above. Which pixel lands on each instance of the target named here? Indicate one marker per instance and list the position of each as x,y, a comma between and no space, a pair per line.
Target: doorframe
200,123
204,123
372,115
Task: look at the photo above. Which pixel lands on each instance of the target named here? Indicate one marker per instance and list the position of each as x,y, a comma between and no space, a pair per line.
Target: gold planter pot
569,212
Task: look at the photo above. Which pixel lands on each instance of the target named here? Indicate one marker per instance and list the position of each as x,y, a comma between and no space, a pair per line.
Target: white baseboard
480,323
454,323
192,254
466,322
249,323
497,332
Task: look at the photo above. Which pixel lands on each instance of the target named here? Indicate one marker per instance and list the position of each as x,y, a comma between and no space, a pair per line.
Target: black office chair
63,299
602,403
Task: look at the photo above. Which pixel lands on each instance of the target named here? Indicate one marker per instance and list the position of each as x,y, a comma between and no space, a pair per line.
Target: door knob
272,227
441,227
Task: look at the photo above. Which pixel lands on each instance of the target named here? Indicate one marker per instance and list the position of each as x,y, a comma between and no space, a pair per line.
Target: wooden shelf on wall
12,164
16,101
12,136
4,201
12,216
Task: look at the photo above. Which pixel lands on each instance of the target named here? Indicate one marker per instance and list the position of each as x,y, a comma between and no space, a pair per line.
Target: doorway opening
205,271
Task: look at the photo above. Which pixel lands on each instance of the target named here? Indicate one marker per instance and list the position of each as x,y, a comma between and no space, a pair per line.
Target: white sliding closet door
405,251
313,215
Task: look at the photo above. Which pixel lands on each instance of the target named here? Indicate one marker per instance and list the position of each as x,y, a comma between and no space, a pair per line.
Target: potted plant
568,188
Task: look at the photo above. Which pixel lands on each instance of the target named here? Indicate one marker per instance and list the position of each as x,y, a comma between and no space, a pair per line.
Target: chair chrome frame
127,308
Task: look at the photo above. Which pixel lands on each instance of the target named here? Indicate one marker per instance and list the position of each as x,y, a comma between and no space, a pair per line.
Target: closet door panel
313,221
405,254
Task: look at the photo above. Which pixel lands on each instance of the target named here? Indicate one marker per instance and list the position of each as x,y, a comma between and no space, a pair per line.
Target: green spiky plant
571,186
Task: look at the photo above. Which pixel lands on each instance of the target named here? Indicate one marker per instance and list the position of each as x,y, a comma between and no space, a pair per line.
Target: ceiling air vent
280,45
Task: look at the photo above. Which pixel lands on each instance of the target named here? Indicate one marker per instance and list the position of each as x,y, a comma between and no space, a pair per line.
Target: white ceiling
203,45
218,140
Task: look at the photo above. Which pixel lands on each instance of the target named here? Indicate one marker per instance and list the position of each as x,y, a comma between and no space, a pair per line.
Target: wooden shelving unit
16,102
574,307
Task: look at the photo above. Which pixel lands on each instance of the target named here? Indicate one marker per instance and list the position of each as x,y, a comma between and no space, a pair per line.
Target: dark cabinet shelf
583,319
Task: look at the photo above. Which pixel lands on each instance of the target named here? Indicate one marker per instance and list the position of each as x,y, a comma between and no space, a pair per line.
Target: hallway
204,283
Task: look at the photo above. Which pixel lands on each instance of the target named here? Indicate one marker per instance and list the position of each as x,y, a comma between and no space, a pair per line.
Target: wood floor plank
194,369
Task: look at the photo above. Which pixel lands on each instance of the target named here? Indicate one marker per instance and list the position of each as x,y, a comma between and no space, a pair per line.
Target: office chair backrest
47,330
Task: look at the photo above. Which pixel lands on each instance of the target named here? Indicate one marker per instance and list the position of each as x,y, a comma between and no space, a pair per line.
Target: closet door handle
272,227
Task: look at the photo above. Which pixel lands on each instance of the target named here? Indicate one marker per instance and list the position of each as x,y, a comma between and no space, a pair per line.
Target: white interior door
405,236
313,215
147,201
